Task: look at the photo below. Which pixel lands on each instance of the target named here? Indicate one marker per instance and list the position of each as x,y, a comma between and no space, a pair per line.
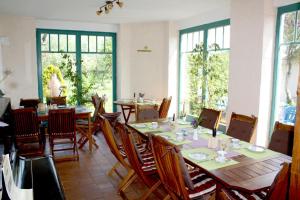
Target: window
287,60
76,64
203,69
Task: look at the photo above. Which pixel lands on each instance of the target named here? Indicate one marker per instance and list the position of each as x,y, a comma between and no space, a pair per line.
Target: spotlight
109,6
99,12
106,10
120,4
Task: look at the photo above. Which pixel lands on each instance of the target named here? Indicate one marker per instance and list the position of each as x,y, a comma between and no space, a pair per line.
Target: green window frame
205,28
281,11
77,50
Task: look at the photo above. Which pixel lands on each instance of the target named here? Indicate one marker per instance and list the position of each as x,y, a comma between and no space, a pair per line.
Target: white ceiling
133,10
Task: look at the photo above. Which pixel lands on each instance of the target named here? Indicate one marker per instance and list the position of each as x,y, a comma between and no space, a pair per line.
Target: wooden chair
82,126
242,127
60,101
164,107
282,138
29,103
278,190
26,130
146,113
62,131
119,155
180,182
95,99
210,118
143,165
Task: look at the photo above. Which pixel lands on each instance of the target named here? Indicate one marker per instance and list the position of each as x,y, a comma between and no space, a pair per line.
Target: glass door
77,64
287,66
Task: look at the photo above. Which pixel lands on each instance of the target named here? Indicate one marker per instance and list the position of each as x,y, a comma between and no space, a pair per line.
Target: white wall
204,18
19,57
143,72
83,26
251,61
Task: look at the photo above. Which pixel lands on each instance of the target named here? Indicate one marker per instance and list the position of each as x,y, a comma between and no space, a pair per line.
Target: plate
221,159
165,136
140,125
180,122
255,148
198,156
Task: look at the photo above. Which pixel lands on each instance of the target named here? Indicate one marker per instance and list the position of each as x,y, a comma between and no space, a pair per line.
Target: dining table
81,113
248,166
130,104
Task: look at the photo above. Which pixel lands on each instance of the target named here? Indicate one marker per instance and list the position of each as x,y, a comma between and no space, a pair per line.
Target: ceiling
133,10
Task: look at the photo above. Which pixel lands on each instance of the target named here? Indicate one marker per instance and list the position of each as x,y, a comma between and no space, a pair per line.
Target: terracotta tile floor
87,178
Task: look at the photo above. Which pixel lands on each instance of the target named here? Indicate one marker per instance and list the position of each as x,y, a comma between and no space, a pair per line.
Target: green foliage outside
68,69
208,79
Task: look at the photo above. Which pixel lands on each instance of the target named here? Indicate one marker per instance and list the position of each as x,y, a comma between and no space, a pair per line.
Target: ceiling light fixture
109,6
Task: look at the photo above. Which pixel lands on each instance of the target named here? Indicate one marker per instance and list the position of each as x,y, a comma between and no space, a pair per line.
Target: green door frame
204,28
78,55
280,12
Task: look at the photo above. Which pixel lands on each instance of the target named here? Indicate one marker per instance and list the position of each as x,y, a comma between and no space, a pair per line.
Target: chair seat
149,165
203,184
254,196
141,147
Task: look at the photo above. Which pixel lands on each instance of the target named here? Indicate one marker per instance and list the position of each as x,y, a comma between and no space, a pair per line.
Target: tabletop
132,102
80,111
243,167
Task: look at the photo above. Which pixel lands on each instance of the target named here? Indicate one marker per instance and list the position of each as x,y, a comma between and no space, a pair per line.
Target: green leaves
207,78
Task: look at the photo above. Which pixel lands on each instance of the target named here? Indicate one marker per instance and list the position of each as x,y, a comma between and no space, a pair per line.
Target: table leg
123,112
90,137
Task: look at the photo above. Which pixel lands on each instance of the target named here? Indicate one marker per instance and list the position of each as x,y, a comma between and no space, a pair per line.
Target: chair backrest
242,127
282,138
99,109
61,121
29,103
146,113
164,107
131,152
280,187
60,101
25,122
171,167
111,141
95,99
210,118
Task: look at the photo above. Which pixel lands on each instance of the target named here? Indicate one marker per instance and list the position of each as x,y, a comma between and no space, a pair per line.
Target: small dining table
251,170
81,112
130,104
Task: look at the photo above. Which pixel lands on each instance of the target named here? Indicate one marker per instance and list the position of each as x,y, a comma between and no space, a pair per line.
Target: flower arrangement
195,122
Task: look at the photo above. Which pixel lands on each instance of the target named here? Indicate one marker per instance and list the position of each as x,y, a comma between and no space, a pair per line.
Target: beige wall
141,71
19,56
251,61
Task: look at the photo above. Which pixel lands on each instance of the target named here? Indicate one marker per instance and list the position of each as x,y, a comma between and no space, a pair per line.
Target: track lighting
109,6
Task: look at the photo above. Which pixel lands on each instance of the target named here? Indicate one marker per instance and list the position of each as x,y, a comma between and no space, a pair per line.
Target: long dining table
81,112
243,167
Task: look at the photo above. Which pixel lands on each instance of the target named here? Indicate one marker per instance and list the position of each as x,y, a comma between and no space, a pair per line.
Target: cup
235,142
154,125
221,156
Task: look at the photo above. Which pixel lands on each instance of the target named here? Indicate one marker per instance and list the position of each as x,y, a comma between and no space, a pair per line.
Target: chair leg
113,168
167,197
130,177
154,187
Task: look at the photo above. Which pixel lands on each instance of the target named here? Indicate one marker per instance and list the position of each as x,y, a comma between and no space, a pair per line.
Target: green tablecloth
209,164
206,136
172,138
255,155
